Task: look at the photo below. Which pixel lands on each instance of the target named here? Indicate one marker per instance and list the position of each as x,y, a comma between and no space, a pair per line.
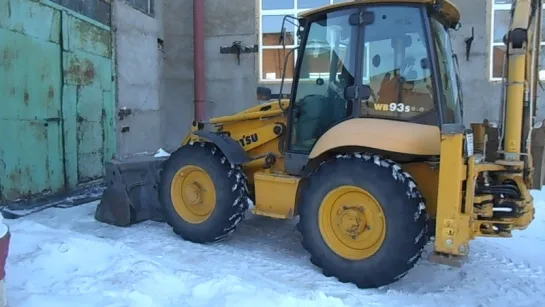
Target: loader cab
388,61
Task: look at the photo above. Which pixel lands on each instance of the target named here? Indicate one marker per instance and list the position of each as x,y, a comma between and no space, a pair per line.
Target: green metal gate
56,99
88,85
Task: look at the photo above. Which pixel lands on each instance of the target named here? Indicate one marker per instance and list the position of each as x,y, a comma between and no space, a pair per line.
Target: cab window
397,68
327,68
448,70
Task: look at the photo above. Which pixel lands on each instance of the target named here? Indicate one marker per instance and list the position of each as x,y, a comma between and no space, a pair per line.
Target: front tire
363,220
204,197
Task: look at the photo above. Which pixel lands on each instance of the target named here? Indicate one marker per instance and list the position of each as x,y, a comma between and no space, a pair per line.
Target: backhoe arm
523,48
480,197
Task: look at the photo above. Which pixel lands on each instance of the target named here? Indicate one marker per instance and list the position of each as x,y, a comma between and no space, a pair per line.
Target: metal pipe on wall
198,59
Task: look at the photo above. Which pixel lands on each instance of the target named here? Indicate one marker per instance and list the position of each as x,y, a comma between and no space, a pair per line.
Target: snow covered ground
63,257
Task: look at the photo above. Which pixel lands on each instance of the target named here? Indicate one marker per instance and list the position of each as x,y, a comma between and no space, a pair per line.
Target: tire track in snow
267,254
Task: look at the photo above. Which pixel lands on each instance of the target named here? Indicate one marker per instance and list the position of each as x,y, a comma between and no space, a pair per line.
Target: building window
145,6
271,54
500,25
98,10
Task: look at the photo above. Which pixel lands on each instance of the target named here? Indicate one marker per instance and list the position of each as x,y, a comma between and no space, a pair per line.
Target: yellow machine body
461,174
447,184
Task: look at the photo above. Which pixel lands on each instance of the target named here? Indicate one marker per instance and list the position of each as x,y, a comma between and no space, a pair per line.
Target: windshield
396,66
448,69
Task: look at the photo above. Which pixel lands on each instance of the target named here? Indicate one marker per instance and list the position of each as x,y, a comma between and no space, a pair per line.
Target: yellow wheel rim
193,194
352,222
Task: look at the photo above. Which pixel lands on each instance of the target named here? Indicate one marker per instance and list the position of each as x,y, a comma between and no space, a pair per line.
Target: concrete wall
138,82
230,87
158,85
177,74
482,97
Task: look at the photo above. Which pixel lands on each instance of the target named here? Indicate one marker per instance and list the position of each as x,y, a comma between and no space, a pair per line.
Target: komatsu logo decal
248,139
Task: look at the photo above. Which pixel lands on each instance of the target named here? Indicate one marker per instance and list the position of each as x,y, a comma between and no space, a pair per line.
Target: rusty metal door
56,98
88,97
31,159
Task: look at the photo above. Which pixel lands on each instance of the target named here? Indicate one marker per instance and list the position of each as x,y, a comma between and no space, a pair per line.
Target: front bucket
538,161
131,194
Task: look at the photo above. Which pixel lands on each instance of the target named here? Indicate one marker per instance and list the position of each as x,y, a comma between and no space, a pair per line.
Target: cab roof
450,11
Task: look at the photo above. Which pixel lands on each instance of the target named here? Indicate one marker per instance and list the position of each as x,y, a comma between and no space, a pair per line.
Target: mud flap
538,159
131,191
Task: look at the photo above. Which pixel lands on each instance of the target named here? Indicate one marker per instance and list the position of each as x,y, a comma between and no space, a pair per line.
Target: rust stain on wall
16,179
14,176
89,72
40,130
90,33
51,92
80,72
7,57
27,97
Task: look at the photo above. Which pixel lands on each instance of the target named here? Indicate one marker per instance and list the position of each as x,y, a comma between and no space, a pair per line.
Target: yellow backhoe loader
369,149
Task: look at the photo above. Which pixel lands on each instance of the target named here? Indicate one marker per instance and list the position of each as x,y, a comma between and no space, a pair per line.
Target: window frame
356,49
295,11
492,44
426,16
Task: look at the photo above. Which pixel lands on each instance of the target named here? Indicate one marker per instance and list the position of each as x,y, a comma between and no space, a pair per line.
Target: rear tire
212,197
363,220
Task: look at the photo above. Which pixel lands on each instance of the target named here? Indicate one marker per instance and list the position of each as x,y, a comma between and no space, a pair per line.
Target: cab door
325,82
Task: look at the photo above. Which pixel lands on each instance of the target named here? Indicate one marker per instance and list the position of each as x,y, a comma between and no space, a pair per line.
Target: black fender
229,147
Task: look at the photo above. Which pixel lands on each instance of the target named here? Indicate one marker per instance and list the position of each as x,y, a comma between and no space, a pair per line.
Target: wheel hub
193,194
352,222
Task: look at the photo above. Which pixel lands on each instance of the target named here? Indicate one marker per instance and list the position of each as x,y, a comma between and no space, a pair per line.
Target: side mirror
263,93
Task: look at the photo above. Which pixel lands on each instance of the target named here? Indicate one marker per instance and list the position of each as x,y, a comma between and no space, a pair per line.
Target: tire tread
231,213
395,264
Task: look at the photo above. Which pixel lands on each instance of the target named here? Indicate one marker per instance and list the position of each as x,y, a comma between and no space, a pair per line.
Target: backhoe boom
523,49
488,194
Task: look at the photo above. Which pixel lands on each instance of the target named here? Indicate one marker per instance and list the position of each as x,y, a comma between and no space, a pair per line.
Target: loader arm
488,194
